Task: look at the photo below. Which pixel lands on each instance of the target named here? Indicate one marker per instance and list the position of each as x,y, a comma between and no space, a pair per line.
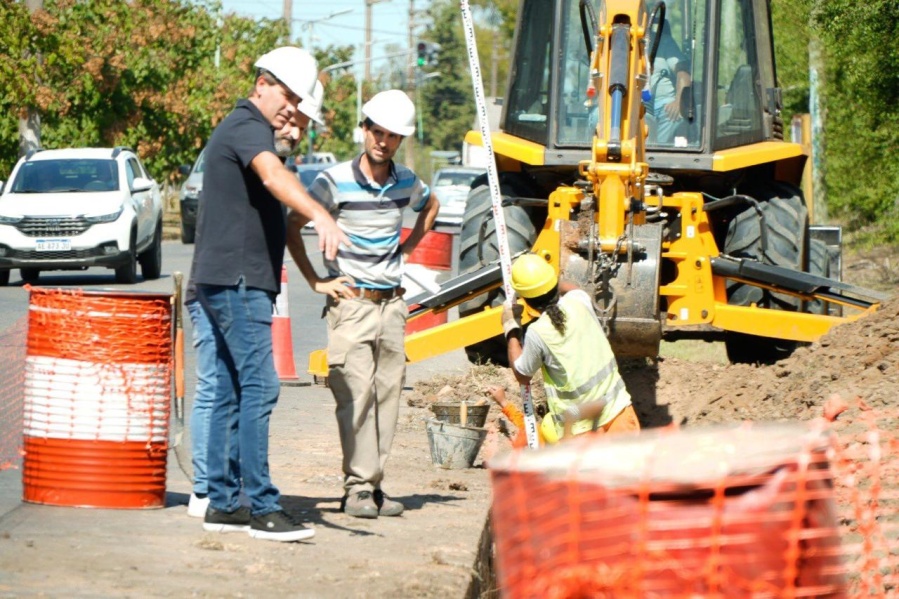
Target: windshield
454,178
308,175
672,102
66,175
200,163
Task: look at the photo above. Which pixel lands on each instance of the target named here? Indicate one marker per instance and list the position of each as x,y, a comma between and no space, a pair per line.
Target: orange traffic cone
282,340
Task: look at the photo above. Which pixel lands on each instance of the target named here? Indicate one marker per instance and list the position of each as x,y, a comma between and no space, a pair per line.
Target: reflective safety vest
588,364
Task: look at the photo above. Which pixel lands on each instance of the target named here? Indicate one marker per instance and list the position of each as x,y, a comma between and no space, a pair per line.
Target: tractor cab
711,86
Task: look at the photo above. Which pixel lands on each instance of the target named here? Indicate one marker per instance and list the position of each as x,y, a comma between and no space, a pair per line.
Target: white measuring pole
505,260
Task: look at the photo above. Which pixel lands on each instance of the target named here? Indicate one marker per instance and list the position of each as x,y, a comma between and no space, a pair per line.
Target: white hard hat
392,110
292,66
313,107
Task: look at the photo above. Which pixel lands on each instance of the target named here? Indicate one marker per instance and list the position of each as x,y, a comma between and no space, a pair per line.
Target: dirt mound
858,359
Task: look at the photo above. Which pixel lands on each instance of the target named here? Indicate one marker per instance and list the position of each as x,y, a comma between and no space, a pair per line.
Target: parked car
80,207
307,173
189,198
451,186
323,157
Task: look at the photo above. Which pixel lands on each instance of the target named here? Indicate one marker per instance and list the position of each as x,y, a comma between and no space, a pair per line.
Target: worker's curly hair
549,303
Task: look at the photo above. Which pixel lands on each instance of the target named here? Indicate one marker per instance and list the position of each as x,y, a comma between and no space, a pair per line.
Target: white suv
76,208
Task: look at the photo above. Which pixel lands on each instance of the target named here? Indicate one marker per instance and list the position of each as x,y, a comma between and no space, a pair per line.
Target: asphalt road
305,307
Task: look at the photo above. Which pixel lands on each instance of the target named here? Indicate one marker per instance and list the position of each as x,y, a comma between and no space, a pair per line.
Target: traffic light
433,54
422,53
427,54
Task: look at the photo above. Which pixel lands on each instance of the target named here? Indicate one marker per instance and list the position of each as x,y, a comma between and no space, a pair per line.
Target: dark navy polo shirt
240,226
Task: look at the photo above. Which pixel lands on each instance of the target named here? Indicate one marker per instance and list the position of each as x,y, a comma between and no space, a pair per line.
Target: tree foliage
159,75
447,100
862,110
141,73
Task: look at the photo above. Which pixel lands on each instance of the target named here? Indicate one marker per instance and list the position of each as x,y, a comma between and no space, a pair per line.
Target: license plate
53,245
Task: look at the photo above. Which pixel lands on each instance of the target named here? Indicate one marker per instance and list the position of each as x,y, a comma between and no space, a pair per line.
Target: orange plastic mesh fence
86,366
12,381
783,510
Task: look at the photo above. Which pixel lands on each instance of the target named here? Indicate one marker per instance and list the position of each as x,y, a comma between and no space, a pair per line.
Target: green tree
140,73
339,108
447,101
862,104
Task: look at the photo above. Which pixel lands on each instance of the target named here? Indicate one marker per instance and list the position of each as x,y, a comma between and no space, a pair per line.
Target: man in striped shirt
365,311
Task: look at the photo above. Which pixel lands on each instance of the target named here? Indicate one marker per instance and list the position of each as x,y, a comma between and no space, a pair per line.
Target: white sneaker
196,507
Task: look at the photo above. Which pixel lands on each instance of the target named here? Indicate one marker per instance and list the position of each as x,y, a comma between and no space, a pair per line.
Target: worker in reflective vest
584,390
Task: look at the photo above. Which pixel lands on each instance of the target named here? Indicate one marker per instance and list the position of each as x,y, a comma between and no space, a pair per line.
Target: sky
389,21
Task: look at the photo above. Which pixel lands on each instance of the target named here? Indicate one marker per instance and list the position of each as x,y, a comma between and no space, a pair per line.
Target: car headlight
191,192
10,220
104,218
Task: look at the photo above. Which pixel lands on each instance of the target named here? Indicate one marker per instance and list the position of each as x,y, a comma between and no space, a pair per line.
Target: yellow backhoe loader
641,153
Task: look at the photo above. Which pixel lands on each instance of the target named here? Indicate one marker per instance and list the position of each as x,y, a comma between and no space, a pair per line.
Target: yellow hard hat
532,276
549,430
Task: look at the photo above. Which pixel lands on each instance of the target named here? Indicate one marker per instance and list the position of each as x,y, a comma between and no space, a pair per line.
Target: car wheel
188,233
29,275
127,273
151,259
4,278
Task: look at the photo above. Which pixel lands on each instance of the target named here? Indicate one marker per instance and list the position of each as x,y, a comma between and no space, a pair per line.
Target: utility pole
288,16
368,5
310,24
410,84
30,124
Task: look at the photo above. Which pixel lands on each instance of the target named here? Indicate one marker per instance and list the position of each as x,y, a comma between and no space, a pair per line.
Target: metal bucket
452,446
451,412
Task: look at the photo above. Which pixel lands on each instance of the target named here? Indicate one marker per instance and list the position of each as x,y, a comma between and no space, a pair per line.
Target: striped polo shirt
372,217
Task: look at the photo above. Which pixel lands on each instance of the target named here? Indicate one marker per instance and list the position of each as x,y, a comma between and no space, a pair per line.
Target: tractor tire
785,229
475,252
818,264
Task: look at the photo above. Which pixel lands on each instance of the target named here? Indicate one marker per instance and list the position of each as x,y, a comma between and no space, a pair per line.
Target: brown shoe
360,505
386,505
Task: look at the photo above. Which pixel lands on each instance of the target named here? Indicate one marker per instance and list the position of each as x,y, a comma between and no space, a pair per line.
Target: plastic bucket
98,380
451,412
452,446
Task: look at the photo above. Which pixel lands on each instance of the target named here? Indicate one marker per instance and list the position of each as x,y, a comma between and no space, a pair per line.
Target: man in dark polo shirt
239,256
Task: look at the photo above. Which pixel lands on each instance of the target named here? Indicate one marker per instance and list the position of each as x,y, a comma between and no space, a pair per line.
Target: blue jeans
204,351
246,392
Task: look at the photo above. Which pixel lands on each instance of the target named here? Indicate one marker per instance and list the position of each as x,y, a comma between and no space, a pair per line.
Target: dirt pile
859,359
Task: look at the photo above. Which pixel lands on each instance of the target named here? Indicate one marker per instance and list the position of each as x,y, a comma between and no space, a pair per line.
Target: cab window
528,103
739,116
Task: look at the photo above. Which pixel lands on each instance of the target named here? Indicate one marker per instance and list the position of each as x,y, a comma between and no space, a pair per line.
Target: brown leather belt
378,295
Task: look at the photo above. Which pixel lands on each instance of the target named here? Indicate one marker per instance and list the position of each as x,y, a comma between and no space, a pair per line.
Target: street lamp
310,23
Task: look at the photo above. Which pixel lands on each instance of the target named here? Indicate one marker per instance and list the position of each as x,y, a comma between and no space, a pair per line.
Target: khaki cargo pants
366,374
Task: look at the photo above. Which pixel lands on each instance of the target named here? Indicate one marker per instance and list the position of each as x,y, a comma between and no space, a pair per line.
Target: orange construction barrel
435,253
98,384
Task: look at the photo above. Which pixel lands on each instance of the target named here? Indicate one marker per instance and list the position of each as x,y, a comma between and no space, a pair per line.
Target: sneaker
279,526
196,507
220,521
386,505
360,505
